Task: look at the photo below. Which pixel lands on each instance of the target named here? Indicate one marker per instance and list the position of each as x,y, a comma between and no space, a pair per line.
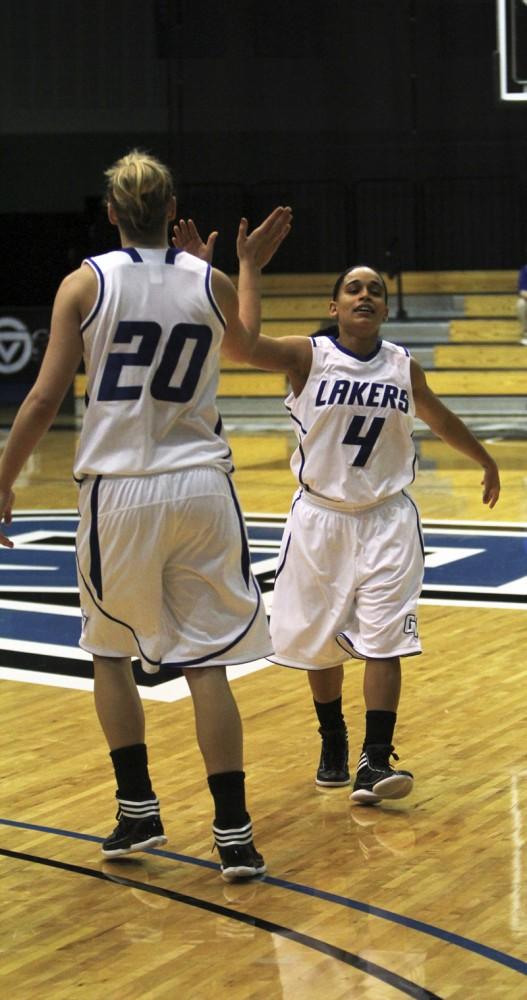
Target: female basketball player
351,563
162,554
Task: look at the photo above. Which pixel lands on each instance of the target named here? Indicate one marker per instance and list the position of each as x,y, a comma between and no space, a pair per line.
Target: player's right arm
242,340
290,355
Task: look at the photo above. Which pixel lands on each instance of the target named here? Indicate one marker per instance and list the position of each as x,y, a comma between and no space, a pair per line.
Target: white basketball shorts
347,583
164,571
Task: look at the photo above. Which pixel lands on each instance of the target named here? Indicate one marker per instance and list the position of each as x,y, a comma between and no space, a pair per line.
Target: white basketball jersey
353,420
151,353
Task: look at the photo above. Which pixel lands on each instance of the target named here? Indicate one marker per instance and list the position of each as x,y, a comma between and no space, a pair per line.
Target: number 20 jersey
151,353
354,420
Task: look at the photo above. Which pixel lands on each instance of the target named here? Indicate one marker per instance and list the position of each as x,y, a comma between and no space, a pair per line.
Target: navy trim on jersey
302,463
296,420
418,520
246,559
171,255
358,357
327,331
91,315
133,254
210,296
95,552
228,454
414,466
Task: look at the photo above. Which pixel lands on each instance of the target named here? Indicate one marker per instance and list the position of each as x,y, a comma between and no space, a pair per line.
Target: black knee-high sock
379,727
228,791
131,773
329,714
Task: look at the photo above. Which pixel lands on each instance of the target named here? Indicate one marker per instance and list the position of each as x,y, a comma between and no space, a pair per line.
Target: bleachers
460,326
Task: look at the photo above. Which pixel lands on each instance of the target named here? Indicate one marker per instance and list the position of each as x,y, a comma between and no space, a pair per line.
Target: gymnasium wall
377,120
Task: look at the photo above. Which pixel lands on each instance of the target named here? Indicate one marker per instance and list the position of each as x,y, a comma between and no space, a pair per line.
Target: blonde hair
139,187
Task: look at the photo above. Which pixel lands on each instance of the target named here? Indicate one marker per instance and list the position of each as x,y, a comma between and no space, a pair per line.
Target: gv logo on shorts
410,626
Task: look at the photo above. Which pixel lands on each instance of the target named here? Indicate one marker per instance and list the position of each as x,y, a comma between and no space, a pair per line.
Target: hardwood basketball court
426,897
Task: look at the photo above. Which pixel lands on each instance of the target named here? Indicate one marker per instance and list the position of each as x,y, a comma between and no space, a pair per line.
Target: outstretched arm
447,426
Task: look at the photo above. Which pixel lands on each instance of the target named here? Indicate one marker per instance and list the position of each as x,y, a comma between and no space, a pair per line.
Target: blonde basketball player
162,553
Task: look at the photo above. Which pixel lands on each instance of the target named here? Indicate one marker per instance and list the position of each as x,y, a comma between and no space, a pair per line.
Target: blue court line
384,975
492,954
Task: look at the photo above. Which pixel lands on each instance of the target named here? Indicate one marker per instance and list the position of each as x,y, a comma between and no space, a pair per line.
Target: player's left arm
37,412
447,426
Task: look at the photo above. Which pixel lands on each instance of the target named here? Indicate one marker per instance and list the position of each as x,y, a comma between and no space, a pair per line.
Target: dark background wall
377,120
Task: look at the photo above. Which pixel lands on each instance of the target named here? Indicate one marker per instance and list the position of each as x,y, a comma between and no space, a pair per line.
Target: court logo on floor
472,564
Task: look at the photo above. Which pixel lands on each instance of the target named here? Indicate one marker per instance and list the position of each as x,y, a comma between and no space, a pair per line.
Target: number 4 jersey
354,420
151,353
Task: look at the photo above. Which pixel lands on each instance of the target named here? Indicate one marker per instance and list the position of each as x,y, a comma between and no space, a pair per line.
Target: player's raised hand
186,237
260,246
7,499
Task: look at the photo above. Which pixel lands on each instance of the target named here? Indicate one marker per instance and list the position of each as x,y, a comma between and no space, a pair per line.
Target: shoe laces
334,747
379,754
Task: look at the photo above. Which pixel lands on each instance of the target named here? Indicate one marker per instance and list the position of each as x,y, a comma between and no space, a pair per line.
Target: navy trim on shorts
282,564
171,663
210,296
155,663
91,315
210,655
246,559
95,552
352,651
418,520
220,652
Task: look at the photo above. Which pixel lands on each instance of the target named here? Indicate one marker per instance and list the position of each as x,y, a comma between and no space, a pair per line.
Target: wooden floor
424,898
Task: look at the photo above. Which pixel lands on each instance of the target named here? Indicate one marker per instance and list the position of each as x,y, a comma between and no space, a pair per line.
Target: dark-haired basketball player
351,563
